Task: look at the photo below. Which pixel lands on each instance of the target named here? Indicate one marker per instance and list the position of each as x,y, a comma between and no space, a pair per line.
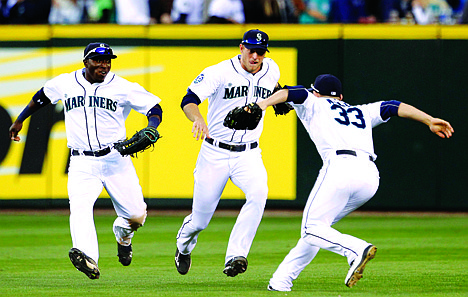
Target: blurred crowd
145,12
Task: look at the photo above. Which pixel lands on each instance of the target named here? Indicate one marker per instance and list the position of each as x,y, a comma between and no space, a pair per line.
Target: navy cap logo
255,39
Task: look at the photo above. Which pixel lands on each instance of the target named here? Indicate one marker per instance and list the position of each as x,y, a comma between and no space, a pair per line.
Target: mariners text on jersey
94,101
243,91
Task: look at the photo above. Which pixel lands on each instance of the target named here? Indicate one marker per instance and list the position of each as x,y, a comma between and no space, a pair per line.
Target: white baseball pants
344,184
87,176
213,169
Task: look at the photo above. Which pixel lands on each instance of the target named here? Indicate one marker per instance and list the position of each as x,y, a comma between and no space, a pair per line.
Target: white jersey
335,125
227,85
95,113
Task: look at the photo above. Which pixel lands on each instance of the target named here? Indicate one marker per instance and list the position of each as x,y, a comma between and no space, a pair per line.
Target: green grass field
418,255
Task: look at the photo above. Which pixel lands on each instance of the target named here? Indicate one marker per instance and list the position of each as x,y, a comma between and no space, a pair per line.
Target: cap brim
254,46
92,56
314,89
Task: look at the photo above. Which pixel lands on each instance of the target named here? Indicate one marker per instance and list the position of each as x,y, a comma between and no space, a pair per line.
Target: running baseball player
349,177
227,153
96,103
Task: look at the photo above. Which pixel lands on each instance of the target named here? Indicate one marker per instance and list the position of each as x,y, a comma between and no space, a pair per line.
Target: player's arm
278,97
438,126
154,116
189,105
38,101
295,94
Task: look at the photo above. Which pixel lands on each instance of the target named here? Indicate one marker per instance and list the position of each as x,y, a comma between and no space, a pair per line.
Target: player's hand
14,130
200,129
441,128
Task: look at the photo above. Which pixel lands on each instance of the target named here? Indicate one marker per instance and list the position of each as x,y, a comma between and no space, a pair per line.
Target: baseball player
349,177
227,153
96,103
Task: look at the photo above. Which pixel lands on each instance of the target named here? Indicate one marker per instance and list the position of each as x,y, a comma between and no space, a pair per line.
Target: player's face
97,69
251,60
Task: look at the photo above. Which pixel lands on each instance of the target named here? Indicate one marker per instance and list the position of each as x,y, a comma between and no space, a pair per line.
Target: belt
232,147
99,153
352,153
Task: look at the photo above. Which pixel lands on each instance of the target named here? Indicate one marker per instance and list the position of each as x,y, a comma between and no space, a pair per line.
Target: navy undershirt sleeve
190,97
389,109
297,94
154,121
40,98
155,110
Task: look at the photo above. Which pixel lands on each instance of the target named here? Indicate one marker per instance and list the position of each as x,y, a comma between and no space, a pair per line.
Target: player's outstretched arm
199,128
278,97
438,126
17,125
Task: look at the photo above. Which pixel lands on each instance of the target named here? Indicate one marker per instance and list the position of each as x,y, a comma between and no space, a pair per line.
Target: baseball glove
281,108
244,117
139,142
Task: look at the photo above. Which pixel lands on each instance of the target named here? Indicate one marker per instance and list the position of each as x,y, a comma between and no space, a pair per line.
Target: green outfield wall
420,65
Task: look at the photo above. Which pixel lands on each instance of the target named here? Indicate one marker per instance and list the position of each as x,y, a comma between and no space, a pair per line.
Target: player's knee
200,221
137,222
259,195
200,225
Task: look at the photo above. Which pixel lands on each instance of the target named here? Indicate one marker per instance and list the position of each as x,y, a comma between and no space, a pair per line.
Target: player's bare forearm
199,128
438,126
192,112
278,97
411,112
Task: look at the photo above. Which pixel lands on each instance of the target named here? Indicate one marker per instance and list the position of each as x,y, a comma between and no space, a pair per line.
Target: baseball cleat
84,263
270,288
182,262
235,266
357,267
125,254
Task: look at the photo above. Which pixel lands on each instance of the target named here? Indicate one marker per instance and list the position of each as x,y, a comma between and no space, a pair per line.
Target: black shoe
182,262
270,288
84,263
125,254
235,266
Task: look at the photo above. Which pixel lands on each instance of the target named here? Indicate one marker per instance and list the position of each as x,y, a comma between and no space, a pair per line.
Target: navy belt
99,153
352,153
232,147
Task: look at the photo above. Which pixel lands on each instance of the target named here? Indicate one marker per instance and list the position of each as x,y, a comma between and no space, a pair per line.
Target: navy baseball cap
255,39
327,84
98,50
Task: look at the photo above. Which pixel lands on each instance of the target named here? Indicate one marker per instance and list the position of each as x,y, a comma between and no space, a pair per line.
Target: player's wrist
263,104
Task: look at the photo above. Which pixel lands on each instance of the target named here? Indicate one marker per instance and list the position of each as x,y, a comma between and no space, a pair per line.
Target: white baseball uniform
349,178
229,154
95,119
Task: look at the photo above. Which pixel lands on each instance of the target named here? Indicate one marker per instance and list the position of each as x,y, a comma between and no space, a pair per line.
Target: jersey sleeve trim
190,97
389,109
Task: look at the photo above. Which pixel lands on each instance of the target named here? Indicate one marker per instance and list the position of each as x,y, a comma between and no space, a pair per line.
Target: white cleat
357,267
